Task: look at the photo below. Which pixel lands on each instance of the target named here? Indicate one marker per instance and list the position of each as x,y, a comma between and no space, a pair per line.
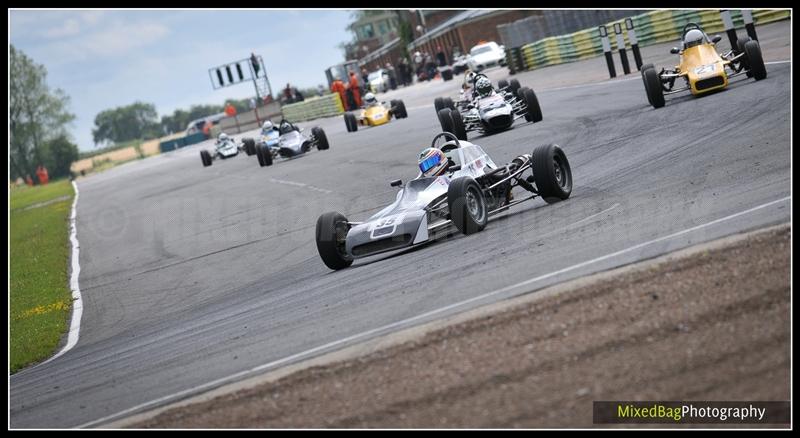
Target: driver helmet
483,86
370,99
222,138
267,126
432,162
470,76
693,38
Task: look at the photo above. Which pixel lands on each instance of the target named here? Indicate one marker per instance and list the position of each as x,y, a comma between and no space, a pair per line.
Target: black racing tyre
205,157
514,86
402,106
438,104
534,111
249,146
552,173
752,51
264,156
322,139
448,103
393,104
655,92
446,120
740,42
467,205
502,83
458,125
350,121
331,236
347,123
647,90
447,75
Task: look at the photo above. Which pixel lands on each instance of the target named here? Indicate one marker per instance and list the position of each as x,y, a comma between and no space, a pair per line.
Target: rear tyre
752,51
446,120
467,205
331,236
458,125
655,93
534,111
502,83
205,157
552,173
249,146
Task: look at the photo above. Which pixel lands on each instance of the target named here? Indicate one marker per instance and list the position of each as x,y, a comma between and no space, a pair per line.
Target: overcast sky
104,59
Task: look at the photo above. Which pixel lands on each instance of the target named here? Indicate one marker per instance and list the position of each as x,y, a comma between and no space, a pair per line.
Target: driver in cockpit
433,162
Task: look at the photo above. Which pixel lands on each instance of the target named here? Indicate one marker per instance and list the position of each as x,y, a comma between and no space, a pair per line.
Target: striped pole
727,21
607,51
637,57
747,15
623,56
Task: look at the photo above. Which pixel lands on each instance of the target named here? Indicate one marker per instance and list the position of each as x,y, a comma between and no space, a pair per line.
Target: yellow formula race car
374,113
702,67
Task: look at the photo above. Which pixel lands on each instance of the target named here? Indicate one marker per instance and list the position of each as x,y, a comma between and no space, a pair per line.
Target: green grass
24,196
39,255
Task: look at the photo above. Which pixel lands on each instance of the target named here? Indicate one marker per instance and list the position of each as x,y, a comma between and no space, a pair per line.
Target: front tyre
446,120
331,236
467,205
459,129
552,173
249,146
321,138
533,112
652,86
205,157
264,155
752,51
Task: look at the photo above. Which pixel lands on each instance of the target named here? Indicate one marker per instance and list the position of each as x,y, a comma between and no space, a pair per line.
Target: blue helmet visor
429,162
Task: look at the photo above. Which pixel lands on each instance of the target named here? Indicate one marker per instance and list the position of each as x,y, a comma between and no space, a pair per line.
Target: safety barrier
314,108
175,143
651,28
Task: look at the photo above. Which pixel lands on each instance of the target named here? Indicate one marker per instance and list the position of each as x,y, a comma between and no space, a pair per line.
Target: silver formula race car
495,110
291,142
470,191
225,147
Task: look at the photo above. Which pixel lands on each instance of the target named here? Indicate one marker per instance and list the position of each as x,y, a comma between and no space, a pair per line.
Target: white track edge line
421,316
77,301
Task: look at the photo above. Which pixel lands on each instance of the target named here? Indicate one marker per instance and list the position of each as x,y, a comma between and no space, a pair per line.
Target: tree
60,154
36,114
131,122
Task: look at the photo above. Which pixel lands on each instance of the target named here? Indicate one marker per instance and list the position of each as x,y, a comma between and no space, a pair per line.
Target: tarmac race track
191,274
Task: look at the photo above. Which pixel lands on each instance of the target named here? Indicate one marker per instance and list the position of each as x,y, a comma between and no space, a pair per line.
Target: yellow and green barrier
314,108
651,28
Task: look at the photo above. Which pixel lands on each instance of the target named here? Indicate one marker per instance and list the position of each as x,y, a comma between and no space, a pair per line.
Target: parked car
486,55
379,81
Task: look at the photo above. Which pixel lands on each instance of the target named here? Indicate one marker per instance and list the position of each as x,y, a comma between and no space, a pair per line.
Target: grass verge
39,295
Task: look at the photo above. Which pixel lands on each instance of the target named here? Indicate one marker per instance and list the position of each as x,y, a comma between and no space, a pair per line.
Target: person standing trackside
355,87
338,87
392,76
